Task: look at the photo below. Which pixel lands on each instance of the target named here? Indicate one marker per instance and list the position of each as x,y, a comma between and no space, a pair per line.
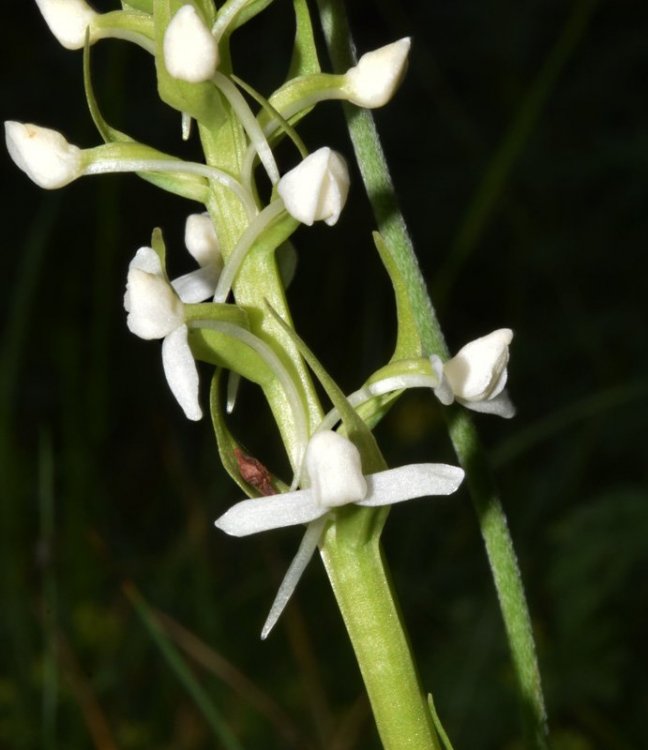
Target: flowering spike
43,154
67,20
378,74
190,50
317,188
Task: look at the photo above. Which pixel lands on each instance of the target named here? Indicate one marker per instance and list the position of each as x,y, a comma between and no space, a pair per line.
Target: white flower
202,243
335,473
476,375
190,50
317,188
378,74
156,312
43,154
67,20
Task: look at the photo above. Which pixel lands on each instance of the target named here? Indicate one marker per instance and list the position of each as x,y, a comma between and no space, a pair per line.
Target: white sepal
334,469
272,512
378,74
180,370
154,309
317,188
189,48
43,154
478,371
409,482
67,20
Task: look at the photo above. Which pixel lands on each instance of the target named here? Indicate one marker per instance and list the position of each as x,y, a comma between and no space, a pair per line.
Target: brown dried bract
254,473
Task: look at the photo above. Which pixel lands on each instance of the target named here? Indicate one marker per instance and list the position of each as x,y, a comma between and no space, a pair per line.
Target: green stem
359,579
471,455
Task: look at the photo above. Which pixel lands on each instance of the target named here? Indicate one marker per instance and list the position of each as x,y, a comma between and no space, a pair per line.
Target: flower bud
335,470
67,20
317,188
378,74
478,371
200,239
43,154
190,50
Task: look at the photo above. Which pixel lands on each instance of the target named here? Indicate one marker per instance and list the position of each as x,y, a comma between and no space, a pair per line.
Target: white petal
200,239
190,50
334,468
317,188
442,390
43,154
67,20
408,482
306,549
181,373
501,406
477,371
273,512
374,80
198,285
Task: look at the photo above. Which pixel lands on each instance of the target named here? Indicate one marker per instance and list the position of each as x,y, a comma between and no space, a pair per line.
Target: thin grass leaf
50,597
216,722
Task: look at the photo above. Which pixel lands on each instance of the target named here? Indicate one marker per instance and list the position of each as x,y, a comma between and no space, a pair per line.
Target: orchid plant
232,312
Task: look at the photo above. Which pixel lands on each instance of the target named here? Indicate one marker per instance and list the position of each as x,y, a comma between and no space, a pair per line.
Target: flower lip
378,74
317,188
190,50
67,20
43,154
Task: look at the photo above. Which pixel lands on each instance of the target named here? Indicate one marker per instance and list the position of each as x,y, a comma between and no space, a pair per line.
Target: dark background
519,148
